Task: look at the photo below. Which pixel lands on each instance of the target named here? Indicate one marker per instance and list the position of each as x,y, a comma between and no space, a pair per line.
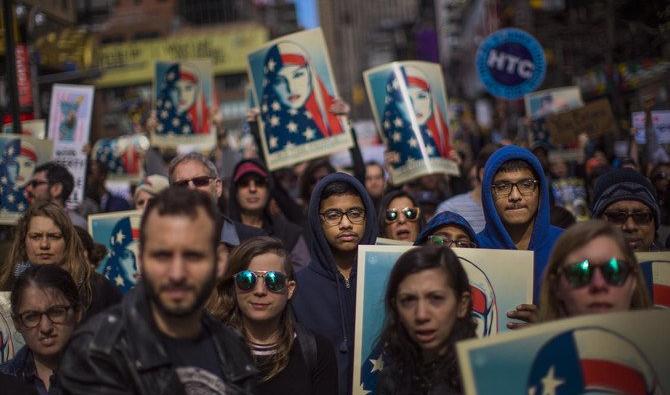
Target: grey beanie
624,184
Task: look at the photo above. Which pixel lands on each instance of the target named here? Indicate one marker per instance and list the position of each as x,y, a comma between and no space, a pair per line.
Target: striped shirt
468,208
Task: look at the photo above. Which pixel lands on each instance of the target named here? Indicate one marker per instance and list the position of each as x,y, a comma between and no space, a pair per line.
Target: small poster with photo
293,83
185,100
540,104
656,270
122,156
409,103
119,232
20,155
500,280
613,353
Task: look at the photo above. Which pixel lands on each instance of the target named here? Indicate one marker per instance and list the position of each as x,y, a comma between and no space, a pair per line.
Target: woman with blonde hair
254,298
45,236
591,270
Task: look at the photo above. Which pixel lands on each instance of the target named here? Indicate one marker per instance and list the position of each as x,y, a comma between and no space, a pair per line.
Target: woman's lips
425,336
293,98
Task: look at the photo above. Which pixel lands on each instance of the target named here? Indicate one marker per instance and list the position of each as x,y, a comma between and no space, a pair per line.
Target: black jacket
118,352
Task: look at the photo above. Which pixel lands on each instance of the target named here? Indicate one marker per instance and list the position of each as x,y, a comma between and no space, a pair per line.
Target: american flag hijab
308,120
11,185
195,120
399,122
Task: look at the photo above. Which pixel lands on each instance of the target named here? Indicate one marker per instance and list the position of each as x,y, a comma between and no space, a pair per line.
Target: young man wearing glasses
53,182
159,339
341,216
515,197
626,199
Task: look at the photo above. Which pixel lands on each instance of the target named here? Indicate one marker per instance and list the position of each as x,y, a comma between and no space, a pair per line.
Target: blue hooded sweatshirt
495,235
325,302
443,219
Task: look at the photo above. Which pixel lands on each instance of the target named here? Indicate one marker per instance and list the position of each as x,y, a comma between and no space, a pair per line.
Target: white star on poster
170,76
274,120
160,128
271,65
273,142
397,137
397,122
292,127
186,129
309,133
276,106
293,112
413,143
21,206
550,383
363,391
175,122
387,100
290,145
377,364
164,115
387,124
308,114
10,151
3,180
430,150
168,105
264,108
119,237
118,280
10,198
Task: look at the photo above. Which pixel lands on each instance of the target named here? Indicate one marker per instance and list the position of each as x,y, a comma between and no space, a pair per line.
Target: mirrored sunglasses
410,213
615,272
274,281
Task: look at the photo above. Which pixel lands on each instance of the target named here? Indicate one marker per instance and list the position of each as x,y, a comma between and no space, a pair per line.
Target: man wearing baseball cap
627,199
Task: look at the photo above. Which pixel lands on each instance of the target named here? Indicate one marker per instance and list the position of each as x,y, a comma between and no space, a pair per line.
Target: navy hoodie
496,236
325,302
443,219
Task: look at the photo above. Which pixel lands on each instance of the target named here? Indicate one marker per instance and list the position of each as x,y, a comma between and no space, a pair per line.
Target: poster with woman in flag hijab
499,280
20,155
185,101
613,353
294,85
122,156
409,103
120,233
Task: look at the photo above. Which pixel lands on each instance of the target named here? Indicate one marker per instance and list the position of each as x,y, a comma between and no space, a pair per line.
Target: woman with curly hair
254,298
428,309
45,236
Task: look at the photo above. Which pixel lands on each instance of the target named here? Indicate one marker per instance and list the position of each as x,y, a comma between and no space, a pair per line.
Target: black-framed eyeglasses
579,274
198,182
640,218
410,213
36,183
504,189
57,314
274,281
333,217
440,240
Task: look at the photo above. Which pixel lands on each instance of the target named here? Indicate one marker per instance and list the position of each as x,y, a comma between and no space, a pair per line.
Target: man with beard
159,340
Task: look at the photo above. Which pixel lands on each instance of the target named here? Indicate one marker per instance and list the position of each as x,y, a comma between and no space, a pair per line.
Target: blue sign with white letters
511,63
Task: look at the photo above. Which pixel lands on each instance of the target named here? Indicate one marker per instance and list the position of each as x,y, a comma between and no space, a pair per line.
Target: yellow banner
133,63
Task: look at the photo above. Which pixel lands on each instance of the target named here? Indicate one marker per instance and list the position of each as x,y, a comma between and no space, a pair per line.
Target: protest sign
500,279
184,100
540,104
510,63
615,353
69,128
11,340
123,156
120,233
409,103
660,123
34,127
294,86
656,270
20,156
595,119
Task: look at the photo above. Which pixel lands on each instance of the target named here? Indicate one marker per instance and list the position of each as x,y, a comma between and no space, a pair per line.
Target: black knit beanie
624,184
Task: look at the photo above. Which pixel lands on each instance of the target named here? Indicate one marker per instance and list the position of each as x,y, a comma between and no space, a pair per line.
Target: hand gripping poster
120,233
500,280
294,85
185,98
20,156
656,269
69,128
409,103
122,156
613,353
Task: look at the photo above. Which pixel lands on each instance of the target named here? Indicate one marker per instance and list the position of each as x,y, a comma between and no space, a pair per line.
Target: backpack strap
307,343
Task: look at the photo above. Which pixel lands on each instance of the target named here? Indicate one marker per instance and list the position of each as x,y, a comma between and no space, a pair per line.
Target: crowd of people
248,277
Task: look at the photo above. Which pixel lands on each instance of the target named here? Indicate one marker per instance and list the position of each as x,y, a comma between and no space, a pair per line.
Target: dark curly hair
407,370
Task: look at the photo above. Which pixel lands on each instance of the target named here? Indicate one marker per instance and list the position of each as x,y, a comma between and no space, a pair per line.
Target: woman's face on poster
421,102
21,171
293,85
186,93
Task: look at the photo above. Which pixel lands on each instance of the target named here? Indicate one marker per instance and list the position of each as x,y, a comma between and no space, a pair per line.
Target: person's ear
55,190
290,286
463,305
218,184
78,314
